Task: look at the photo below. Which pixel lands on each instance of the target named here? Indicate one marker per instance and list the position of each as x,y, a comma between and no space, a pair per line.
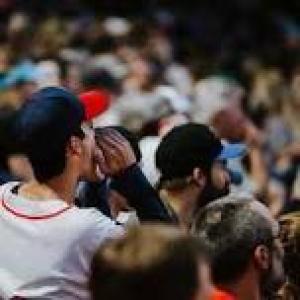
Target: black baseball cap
189,146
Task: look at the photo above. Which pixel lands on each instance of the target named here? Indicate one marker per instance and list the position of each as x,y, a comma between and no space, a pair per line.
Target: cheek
88,156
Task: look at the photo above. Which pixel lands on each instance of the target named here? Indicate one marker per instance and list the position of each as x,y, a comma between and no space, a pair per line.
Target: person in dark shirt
123,192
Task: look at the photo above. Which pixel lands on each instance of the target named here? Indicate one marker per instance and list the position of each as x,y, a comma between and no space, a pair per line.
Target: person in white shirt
47,243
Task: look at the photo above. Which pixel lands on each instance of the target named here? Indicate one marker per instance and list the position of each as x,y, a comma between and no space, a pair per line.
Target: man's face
91,171
274,277
217,185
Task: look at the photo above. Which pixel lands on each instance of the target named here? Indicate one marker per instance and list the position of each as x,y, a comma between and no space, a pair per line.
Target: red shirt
221,295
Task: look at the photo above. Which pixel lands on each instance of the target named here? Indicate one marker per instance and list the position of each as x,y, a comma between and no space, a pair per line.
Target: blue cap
231,151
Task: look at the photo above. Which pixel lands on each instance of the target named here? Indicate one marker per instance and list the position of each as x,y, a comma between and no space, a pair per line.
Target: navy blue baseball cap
192,145
51,115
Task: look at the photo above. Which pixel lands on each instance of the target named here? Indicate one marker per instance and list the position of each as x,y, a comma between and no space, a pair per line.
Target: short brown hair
150,263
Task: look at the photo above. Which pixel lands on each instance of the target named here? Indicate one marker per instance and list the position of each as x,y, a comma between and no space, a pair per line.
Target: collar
28,209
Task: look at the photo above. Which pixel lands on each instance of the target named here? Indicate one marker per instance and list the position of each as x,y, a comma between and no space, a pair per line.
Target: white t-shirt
46,247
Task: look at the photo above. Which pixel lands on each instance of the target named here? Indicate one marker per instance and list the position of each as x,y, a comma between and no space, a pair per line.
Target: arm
134,186
120,164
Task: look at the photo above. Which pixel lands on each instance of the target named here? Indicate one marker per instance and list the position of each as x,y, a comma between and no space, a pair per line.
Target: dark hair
149,263
231,231
184,148
49,160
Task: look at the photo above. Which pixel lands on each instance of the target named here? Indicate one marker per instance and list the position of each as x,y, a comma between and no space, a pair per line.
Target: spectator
243,240
151,262
132,184
290,235
190,159
116,193
61,150
13,164
234,126
101,194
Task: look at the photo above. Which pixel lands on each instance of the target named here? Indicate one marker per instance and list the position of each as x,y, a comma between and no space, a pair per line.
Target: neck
61,187
246,288
183,203
64,186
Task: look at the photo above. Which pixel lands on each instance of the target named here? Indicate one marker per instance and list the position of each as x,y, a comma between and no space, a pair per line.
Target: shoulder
96,226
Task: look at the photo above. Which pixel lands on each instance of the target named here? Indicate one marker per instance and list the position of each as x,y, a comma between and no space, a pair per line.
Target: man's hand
117,154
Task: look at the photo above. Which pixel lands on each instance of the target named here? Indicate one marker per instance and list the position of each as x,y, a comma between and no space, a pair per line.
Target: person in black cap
191,160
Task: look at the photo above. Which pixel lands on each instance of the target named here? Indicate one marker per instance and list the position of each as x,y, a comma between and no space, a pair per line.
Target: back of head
184,148
232,229
44,125
149,263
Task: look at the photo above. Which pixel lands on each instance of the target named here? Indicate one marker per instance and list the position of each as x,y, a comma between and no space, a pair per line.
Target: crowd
109,123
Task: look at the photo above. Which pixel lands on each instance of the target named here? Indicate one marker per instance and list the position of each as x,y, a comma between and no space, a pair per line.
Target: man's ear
199,178
74,146
262,257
